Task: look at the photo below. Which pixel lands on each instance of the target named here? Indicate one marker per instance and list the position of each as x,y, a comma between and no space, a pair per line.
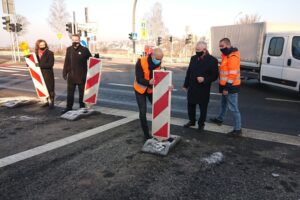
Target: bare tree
156,26
58,16
249,19
20,19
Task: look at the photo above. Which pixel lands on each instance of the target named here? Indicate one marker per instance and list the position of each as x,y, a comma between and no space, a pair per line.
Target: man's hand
151,82
171,87
65,76
184,89
225,92
200,79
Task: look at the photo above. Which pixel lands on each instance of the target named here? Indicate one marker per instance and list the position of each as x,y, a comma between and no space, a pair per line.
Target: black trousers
71,91
203,112
141,100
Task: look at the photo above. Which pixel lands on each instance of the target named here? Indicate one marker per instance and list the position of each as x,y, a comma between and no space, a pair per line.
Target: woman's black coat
46,64
206,67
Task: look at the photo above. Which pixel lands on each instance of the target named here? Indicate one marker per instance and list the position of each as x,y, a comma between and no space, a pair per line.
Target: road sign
8,7
83,42
59,36
89,27
161,109
134,36
144,30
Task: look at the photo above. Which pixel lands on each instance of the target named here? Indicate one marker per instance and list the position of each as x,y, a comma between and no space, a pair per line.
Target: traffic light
171,39
188,40
80,33
18,27
69,27
6,21
12,27
159,41
130,36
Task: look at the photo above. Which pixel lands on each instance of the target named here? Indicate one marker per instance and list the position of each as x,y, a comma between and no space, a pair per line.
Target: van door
273,60
291,69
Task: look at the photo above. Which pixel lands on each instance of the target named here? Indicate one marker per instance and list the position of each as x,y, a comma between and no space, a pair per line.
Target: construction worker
143,84
229,85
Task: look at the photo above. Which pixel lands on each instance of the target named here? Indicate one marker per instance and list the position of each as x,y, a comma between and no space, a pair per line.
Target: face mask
225,51
199,53
155,62
43,48
75,44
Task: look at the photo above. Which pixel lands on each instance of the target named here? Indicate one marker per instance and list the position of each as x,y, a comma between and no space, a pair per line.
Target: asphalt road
262,107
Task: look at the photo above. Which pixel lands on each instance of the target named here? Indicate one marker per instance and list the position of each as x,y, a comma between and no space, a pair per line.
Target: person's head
157,56
75,40
41,45
225,46
201,48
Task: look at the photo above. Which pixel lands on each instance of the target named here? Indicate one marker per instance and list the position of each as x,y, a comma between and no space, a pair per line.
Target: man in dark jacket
202,71
75,70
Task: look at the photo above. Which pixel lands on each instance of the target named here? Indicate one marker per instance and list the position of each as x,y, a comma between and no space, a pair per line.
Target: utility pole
74,23
133,23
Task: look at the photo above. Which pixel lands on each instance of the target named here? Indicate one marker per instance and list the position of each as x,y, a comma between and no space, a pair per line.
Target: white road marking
20,75
62,142
14,68
119,84
283,100
9,71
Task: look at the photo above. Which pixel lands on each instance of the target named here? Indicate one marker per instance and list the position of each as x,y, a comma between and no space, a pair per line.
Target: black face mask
75,44
199,53
43,48
226,51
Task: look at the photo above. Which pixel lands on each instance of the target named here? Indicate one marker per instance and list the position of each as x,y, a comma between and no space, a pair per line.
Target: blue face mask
155,62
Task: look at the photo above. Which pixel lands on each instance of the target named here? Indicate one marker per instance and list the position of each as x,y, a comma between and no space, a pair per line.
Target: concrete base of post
73,115
17,102
154,146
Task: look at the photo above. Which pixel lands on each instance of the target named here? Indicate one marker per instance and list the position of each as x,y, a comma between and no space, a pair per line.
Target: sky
114,17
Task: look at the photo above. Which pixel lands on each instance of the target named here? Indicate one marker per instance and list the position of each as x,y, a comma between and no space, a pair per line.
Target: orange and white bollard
36,76
92,81
162,141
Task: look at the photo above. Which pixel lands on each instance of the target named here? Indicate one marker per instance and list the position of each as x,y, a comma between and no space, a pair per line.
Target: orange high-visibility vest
145,67
230,69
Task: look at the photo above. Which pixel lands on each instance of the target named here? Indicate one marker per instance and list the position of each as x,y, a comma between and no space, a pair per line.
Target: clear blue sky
114,16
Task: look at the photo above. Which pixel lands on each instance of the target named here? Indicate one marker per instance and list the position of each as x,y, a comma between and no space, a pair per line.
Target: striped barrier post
92,81
36,76
161,109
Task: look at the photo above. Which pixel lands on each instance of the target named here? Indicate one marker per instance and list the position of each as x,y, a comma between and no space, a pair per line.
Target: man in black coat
202,71
75,70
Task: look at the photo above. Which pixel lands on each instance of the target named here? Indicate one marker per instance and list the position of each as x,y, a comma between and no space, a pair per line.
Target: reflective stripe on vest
145,67
231,76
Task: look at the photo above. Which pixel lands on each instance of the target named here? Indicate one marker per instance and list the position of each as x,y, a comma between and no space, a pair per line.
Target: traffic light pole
133,26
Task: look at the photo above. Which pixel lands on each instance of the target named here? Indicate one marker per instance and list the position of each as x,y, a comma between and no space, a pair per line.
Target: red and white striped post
161,109
36,76
92,81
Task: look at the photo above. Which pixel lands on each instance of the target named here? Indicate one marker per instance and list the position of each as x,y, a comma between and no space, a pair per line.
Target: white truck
270,52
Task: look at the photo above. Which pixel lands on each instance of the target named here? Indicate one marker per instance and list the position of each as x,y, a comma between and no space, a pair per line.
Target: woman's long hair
37,43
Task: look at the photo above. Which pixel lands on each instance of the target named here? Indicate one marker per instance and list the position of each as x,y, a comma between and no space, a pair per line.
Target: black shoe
234,133
65,110
45,104
189,124
216,121
147,137
201,128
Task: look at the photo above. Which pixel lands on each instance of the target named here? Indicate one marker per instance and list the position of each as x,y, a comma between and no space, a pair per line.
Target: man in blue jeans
229,85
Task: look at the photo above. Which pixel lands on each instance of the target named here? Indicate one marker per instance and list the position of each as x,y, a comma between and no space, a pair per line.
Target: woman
202,71
46,62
